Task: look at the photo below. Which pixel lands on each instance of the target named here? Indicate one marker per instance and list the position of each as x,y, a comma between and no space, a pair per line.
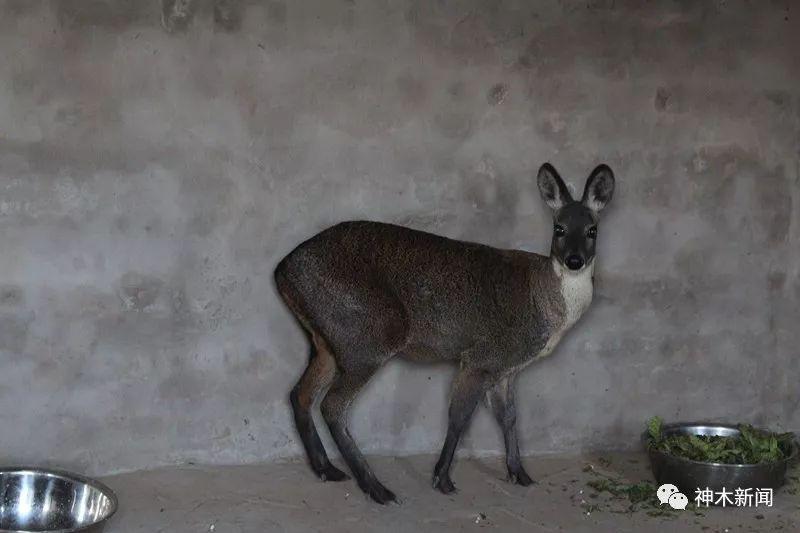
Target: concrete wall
153,172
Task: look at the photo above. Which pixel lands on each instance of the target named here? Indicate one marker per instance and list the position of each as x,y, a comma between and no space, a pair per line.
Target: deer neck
575,289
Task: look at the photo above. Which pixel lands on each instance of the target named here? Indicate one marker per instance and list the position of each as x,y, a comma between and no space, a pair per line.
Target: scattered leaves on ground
625,497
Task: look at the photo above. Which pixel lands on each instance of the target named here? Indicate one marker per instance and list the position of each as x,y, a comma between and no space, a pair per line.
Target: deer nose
574,262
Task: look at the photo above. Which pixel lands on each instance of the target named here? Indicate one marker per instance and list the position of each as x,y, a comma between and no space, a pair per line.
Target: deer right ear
552,188
599,188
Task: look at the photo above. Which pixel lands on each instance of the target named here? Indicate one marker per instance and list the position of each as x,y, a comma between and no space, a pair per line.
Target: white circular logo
668,493
678,501
665,491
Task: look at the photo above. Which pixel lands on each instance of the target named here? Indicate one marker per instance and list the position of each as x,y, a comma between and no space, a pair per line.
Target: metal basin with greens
690,475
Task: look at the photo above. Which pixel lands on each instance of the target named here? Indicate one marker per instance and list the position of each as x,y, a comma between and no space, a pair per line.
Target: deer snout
574,262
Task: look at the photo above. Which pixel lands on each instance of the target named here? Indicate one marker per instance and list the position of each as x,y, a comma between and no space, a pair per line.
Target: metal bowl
33,499
690,475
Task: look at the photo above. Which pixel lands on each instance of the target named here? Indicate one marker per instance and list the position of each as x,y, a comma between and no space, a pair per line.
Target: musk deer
365,292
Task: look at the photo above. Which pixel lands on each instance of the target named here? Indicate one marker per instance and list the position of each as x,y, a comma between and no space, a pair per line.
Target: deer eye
559,230
592,233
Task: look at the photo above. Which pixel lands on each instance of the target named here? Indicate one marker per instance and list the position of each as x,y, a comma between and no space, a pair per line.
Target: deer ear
552,188
599,188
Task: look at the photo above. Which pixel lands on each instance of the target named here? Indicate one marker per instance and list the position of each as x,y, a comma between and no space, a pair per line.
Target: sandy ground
287,497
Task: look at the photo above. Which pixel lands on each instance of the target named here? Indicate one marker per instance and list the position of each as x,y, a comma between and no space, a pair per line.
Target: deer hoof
444,485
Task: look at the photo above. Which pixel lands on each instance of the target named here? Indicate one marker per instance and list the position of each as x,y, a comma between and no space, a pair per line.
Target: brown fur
366,292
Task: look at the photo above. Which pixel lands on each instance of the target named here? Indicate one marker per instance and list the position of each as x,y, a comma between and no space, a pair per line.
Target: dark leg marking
320,372
468,387
335,406
500,400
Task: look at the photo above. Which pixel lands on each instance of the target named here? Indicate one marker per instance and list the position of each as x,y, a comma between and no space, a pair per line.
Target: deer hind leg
364,326
319,374
335,407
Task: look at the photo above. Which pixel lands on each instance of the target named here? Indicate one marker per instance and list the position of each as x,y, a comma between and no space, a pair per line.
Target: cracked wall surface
158,159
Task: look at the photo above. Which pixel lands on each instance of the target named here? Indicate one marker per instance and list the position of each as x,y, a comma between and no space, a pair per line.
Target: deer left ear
599,188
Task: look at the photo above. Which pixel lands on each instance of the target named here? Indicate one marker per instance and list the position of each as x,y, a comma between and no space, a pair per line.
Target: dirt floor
287,497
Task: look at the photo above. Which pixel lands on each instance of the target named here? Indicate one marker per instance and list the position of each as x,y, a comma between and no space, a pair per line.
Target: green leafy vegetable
636,493
654,428
751,446
635,496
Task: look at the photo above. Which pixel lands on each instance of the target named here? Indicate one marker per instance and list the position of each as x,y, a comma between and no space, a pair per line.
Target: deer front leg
468,387
500,400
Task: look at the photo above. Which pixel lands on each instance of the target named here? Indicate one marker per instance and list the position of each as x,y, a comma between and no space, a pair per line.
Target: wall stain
228,15
177,15
458,126
139,291
716,171
44,159
11,295
255,364
277,12
776,280
14,332
183,381
497,94
412,89
116,15
661,99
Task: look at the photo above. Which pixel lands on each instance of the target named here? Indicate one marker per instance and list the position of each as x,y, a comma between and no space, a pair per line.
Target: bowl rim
69,476
646,435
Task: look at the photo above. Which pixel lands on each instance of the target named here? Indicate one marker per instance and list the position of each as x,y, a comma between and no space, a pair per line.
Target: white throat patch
576,290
